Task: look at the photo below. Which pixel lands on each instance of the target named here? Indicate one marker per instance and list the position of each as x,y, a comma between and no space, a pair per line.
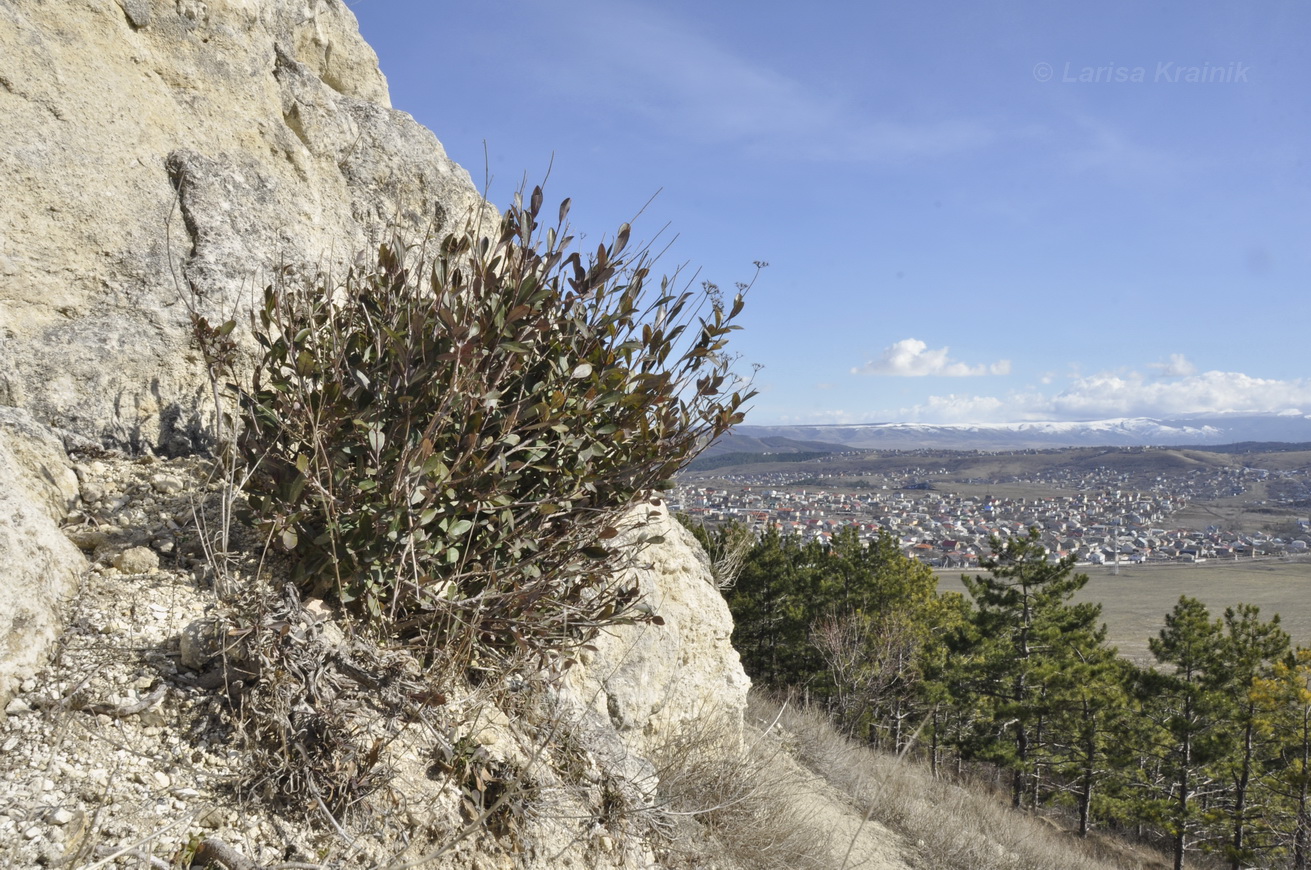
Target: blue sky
971,214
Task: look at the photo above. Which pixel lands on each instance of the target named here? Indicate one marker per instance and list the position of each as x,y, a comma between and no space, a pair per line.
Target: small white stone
62,816
137,560
28,685
17,707
165,484
161,779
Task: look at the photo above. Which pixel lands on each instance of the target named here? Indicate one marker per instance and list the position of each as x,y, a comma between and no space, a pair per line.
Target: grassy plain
1135,601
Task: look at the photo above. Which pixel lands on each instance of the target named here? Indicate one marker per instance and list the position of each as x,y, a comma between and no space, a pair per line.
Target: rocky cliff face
165,156
39,566
164,153
648,680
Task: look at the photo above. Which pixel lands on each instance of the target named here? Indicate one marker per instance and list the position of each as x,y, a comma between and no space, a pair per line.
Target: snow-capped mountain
1124,432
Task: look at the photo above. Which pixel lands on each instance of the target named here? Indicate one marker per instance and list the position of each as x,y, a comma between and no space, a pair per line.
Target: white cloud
1208,392
1111,395
911,357
1177,366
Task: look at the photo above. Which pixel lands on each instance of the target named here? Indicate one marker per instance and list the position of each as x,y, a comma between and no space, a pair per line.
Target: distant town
1091,515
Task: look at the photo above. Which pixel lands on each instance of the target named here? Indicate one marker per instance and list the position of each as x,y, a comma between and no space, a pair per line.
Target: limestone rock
48,478
165,157
39,567
137,560
161,157
649,679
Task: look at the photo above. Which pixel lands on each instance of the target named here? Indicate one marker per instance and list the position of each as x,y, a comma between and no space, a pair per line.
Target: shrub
447,440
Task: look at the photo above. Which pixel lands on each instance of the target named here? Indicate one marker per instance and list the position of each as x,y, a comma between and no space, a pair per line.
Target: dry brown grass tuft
951,826
734,798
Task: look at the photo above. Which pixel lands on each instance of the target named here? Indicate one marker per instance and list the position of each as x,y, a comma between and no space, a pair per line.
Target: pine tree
1027,633
1089,718
1283,702
1186,708
869,612
880,619
769,613
1132,784
1250,650
958,679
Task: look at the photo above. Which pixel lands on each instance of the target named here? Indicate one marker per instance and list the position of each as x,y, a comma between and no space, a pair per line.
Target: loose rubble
107,749
133,747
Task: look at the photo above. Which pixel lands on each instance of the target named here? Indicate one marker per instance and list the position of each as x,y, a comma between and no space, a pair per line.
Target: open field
1135,601
1251,512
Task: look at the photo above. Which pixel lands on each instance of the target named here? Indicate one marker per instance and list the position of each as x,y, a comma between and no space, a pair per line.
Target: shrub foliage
447,439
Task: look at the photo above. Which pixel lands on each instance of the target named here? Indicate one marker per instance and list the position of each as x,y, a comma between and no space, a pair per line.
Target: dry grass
731,800
952,827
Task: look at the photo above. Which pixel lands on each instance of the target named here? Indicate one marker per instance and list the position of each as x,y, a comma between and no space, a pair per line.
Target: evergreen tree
770,613
876,613
1130,788
945,664
1187,710
845,620
1249,652
1090,718
1283,701
1027,632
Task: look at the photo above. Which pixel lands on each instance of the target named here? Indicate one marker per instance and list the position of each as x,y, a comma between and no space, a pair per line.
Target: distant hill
742,439
1208,431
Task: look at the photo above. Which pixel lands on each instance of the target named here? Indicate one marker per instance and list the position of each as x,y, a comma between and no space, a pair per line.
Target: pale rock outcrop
39,567
649,679
165,156
161,154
